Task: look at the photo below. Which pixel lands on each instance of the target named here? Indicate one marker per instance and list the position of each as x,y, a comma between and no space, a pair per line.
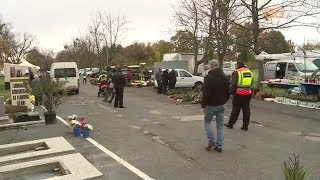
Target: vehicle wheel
198,86
77,91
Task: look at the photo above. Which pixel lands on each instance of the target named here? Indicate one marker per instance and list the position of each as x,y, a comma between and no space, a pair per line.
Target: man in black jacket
214,97
165,81
119,82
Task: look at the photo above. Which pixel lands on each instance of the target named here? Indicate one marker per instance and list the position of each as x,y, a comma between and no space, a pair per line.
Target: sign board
19,93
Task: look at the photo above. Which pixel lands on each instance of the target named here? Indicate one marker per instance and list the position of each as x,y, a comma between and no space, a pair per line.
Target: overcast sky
55,22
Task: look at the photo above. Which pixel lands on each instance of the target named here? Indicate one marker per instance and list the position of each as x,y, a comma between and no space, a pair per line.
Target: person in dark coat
172,79
165,81
158,77
119,81
214,97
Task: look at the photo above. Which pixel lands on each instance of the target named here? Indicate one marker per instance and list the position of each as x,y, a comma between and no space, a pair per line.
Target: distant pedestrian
172,79
84,78
241,88
129,76
165,81
158,77
215,96
119,82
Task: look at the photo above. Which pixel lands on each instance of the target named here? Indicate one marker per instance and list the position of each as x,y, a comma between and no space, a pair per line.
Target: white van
66,72
286,69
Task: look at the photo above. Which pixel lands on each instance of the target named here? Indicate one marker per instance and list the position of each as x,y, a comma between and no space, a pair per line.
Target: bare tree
95,31
210,22
188,18
275,14
21,44
115,27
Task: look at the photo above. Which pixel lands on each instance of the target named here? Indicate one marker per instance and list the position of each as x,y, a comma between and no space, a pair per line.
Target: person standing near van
165,81
241,89
172,79
158,77
84,78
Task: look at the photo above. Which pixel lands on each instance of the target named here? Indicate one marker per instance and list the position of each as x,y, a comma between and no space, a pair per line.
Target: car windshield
308,67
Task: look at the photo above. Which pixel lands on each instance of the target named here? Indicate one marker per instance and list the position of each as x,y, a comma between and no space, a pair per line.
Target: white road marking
177,117
298,133
120,160
62,120
136,127
114,156
155,112
119,115
314,134
311,138
156,123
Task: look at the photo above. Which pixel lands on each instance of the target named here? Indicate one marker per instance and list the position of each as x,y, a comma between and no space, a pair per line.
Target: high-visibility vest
244,81
102,76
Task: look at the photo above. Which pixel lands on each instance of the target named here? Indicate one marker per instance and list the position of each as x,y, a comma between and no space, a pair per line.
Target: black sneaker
122,107
210,146
109,102
244,128
217,149
228,125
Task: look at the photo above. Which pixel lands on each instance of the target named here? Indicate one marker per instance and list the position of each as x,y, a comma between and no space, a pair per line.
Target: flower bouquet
70,123
86,128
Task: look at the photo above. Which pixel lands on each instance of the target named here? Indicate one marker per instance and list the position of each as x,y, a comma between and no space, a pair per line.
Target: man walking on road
215,96
241,88
84,78
119,81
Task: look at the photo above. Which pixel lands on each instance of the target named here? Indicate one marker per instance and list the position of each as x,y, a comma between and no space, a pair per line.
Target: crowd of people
165,80
217,90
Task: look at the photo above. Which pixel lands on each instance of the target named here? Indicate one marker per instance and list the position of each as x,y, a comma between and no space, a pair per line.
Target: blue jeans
217,111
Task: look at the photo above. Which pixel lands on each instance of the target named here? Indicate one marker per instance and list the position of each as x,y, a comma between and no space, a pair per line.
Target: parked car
187,80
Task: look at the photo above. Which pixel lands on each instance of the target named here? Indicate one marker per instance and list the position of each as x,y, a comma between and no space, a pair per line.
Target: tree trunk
256,32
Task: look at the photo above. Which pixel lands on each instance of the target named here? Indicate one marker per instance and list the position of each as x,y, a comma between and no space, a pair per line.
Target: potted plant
52,93
86,130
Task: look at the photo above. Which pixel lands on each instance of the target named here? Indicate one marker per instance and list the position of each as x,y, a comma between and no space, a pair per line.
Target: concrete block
72,166
2,108
11,125
17,152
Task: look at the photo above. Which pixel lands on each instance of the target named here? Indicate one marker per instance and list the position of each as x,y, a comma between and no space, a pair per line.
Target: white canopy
309,55
27,64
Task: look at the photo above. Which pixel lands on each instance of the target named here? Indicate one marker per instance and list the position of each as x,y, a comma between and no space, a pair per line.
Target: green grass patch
255,74
3,92
281,92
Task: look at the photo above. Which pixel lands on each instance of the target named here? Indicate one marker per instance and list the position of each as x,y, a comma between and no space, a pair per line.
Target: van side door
270,70
291,71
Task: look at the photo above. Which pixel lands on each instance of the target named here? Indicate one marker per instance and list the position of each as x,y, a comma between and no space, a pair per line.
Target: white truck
184,61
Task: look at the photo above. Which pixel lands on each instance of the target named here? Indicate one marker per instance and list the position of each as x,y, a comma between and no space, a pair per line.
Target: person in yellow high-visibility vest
241,89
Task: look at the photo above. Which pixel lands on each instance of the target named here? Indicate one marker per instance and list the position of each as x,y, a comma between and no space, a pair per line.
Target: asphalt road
166,140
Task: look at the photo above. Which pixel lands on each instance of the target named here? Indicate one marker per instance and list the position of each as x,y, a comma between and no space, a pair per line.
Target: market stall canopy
27,64
283,56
